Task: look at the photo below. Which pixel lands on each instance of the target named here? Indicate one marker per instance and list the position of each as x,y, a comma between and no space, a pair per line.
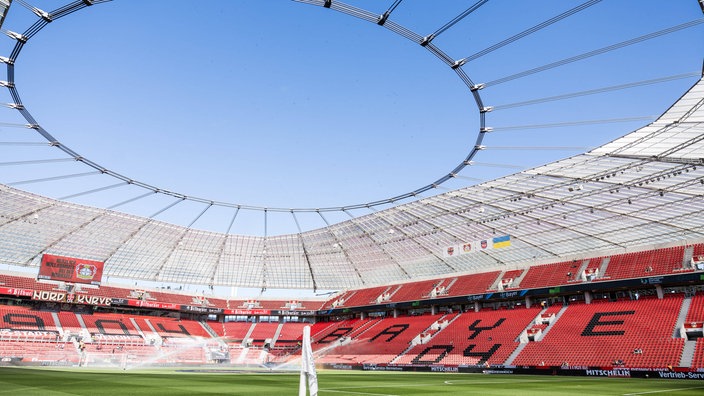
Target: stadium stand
472,284
551,275
262,334
600,334
232,331
509,277
289,335
647,263
474,338
380,343
419,290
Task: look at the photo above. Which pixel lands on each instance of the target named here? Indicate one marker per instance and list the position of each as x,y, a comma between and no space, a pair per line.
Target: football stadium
395,197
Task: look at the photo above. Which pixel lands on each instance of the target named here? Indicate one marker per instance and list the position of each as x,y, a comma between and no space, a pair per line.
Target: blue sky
283,104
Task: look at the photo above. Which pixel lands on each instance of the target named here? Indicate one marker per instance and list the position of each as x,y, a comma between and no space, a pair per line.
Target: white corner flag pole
308,374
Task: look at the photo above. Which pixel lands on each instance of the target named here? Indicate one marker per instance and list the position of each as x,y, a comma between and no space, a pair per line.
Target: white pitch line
664,390
469,381
356,393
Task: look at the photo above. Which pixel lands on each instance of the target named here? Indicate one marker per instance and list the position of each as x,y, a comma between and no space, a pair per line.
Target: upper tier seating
646,263
551,275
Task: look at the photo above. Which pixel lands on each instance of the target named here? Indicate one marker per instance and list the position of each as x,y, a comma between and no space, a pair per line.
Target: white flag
307,367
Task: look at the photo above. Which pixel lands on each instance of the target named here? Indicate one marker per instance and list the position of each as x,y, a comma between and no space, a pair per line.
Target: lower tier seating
601,334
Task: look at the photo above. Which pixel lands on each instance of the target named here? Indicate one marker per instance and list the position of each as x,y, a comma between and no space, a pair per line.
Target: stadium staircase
559,313
390,296
449,285
427,335
522,339
600,333
517,281
497,283
57,323
209,329
141,333
687,358
688,255
365,327
582,268
249,334
682,317
603,267
277,333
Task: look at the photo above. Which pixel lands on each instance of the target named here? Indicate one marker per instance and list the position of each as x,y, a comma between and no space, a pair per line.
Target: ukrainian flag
501,241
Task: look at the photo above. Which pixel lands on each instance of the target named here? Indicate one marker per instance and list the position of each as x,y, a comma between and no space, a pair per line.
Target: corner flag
307,367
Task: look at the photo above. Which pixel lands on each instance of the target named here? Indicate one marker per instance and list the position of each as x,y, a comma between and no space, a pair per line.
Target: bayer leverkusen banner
69,269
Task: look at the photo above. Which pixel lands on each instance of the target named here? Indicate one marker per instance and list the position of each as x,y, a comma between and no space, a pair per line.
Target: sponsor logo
444,369
86,271
680,375
16,292
190,308
609,373
382,368
497,371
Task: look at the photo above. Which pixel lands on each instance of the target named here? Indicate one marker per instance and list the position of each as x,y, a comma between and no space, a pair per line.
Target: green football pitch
55,381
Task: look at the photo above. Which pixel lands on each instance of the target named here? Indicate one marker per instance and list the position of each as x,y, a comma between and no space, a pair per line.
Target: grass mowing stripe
174,382
354,393
663,390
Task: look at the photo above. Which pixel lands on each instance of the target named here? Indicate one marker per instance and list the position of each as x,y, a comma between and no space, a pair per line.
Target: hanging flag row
477,246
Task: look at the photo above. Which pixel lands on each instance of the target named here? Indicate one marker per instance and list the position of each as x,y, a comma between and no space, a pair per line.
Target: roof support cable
305,251
597,91
380,246
533,29
73,7
95,190
61,238
344,252
542,148
200,214
24,144
167,207
46,179
418,243
472,179
429,38
38,12
232,220
33,162
132,199
596,52
494,165
387,13
573,123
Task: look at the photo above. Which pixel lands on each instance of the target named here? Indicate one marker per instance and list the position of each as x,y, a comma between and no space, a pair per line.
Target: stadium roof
643,189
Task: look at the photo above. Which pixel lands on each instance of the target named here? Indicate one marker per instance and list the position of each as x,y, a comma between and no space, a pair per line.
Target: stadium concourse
588,265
